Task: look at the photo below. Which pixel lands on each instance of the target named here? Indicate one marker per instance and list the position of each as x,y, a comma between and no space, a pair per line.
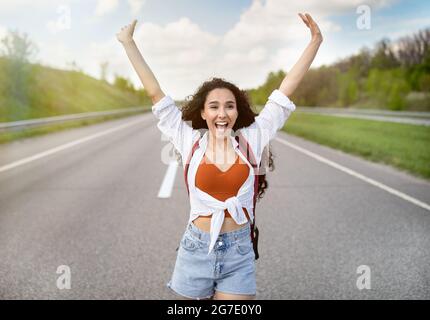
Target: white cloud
405,27
276,22
62,22
111,52
268,36
56,54
13,6
105,6
180,54
136,6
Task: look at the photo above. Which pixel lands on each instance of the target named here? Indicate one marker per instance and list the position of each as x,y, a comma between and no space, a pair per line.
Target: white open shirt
271,119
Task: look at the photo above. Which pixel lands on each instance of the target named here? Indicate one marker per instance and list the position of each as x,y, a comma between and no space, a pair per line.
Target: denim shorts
229,268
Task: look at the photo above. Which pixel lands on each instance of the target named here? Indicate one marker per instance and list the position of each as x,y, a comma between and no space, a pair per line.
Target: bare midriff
220,185
228,224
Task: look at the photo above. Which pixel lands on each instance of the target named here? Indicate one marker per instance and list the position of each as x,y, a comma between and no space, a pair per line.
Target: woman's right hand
126,33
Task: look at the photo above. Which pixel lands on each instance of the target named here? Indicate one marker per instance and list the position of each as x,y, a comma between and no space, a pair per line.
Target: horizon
193,42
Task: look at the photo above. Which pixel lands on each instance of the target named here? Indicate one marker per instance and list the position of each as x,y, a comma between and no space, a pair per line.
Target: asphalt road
93,207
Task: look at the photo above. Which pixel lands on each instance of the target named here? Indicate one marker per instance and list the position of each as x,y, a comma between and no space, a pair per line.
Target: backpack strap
247,152
187,164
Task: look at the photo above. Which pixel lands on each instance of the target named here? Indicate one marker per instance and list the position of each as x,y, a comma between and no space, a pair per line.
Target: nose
221,113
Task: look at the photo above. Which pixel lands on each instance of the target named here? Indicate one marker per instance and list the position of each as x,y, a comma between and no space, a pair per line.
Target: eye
231,107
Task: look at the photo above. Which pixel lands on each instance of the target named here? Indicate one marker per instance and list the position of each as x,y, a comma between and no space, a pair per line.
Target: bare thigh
185,298
228,296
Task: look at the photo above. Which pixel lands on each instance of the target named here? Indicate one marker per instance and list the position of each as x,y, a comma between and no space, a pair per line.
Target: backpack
247,152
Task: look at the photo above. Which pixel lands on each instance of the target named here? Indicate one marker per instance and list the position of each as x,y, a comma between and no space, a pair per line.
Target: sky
186,42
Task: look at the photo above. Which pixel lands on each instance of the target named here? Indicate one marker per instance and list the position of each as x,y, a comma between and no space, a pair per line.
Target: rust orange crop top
221,185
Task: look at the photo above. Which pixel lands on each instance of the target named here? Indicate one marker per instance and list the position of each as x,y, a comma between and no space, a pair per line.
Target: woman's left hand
312,25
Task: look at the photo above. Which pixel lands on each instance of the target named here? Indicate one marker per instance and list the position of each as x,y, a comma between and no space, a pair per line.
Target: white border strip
168,181
356,174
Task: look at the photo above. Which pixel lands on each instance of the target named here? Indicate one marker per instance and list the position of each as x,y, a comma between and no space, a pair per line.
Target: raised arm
293,78
146,76
279,107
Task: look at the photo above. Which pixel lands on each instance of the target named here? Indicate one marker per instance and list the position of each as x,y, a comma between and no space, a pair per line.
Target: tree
424,83
388,87
384,57
273,81
348,89
415,49
18,50
123,83
18,47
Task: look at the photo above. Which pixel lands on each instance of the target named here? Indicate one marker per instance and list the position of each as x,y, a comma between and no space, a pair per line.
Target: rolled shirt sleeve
270,120
282,100
170,123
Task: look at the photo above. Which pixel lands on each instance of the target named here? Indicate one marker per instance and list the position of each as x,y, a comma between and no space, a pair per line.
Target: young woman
216,257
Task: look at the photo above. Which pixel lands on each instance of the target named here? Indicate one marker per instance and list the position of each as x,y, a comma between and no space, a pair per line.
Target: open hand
312,25
126,33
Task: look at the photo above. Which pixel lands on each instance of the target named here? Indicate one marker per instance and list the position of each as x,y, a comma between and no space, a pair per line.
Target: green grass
36,91
403,146
39,91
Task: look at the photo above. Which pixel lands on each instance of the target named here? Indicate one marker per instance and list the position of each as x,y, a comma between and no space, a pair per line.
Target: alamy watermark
64,281
363,21
363,281
63,21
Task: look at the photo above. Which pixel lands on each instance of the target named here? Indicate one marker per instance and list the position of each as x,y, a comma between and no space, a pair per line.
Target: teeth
221,126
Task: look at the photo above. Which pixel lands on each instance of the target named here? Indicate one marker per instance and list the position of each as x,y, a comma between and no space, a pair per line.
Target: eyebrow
229,101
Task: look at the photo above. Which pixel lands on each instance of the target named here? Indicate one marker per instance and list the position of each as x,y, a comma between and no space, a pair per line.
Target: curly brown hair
191,112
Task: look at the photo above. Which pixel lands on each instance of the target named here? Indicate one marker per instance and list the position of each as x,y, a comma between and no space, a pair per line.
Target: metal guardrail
406,117
373,112
24,124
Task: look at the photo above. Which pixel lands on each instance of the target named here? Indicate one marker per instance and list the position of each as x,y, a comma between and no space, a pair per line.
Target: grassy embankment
45,92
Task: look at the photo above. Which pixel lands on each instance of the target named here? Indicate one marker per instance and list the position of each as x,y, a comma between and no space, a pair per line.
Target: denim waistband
226,236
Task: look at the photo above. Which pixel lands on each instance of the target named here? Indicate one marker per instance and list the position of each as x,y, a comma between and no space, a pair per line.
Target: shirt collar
203,142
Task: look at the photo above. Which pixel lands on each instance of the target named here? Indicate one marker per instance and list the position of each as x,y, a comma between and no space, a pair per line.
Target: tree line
393,75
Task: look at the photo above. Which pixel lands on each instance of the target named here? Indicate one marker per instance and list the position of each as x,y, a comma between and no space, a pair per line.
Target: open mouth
221,126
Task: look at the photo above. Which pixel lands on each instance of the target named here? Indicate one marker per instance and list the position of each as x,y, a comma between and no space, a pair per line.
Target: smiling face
220,112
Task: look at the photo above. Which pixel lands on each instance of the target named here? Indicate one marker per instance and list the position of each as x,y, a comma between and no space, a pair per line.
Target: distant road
88,198
416,118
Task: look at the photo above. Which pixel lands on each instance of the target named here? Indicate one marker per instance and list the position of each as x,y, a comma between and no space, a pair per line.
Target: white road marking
356,174
66,146
168,181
